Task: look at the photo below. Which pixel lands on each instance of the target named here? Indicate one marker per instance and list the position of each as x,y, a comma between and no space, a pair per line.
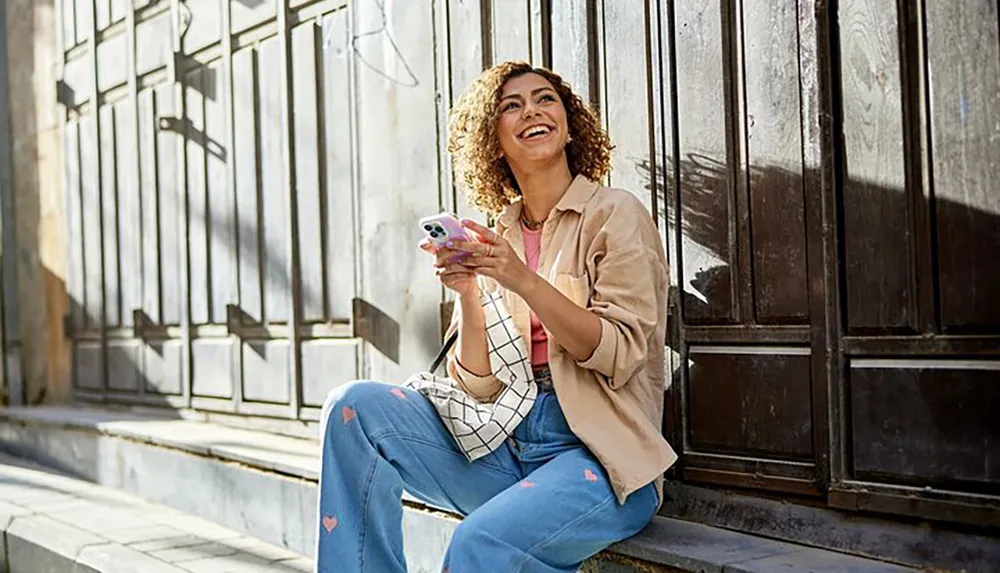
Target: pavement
55,524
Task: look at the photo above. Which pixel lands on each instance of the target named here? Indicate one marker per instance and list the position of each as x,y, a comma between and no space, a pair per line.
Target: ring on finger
489,250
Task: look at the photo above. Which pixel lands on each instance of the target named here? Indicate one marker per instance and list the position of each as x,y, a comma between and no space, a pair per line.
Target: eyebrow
535,91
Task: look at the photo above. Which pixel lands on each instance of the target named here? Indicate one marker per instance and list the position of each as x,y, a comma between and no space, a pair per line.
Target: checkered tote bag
477,427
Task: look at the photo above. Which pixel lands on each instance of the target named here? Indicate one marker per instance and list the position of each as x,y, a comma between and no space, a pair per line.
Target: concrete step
263,486
54,524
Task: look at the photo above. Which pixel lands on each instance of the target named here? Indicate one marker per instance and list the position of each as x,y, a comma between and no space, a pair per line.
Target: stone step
263,486
57,524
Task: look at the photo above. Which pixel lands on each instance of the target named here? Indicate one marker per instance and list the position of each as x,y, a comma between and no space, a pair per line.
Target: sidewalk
242,485
54,524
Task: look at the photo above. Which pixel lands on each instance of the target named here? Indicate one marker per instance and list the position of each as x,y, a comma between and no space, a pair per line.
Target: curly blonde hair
475,148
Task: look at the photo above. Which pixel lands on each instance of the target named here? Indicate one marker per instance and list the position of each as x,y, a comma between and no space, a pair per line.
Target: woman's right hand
450,272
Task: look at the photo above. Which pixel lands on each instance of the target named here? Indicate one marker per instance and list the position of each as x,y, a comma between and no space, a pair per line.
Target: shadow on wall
34,290
705,224
737,403
706,268
875,234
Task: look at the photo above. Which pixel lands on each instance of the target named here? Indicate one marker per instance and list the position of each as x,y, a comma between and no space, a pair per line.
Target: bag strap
444,351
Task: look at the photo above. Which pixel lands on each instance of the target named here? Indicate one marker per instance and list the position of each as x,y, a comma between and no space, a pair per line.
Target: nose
529,110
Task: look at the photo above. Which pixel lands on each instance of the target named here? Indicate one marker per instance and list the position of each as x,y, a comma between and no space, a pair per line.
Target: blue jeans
541,503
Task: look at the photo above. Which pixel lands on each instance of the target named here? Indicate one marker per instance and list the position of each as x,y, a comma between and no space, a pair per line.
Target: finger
453,279
484,232
428,246
454,258
481,262
490,272
453,269
444,252
473,247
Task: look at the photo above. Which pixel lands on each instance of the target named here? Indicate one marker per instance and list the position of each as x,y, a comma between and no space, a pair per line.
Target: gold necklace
530,224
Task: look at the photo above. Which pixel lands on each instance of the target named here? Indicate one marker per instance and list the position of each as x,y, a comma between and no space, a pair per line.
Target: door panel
964,63
745,401
923,422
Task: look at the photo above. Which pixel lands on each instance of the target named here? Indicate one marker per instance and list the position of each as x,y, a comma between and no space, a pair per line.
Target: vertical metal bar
815,73
486,31
743,287
133,94
656,53
357,213
652,104
234,246
447,192
672,179
288,159
174,75
442,85
98,152
820,63
599,64
594,27
734,160
920,184
540,36
657,97
324,189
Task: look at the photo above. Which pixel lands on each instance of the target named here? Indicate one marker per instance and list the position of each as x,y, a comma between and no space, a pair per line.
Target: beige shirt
601,249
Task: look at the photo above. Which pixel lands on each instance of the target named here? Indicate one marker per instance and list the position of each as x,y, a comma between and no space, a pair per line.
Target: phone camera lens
434,234
428,228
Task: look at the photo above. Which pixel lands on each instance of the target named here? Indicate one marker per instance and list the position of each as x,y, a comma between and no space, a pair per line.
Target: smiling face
486,124
532,126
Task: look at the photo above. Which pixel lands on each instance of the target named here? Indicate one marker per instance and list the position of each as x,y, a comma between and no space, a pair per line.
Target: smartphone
444,227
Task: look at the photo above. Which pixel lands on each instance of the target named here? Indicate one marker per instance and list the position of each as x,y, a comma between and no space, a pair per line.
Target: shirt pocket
575,288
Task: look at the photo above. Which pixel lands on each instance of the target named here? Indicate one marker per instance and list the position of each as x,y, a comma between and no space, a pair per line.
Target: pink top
539,340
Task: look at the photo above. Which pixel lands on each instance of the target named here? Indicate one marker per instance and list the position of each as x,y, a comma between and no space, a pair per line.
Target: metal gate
243,178
208,145
243,194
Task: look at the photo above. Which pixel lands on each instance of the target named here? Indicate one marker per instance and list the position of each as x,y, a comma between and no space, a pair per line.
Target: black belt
543,377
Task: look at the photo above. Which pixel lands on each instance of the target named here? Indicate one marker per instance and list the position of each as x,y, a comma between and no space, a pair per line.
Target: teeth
540,130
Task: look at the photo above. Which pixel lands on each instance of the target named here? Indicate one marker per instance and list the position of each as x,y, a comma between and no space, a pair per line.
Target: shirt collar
574,199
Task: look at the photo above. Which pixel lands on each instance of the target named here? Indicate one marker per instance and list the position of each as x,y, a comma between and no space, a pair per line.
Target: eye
509,106
547,97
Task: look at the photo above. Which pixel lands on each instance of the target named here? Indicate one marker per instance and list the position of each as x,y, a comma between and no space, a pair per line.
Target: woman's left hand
495,258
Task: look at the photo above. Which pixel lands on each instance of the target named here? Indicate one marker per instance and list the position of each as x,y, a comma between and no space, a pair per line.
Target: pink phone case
442,228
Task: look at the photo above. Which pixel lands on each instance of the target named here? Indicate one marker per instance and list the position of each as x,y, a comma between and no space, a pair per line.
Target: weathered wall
34,246
233,168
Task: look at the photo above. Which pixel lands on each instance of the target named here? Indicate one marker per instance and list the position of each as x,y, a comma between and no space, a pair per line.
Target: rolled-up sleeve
482,388
625,299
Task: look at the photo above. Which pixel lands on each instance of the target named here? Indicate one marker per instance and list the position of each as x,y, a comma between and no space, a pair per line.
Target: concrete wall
34,248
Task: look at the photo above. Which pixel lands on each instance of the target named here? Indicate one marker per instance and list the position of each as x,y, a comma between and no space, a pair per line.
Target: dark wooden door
917,374
832,174
741,171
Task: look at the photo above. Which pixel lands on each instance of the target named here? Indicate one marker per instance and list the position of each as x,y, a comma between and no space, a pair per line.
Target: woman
583,274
